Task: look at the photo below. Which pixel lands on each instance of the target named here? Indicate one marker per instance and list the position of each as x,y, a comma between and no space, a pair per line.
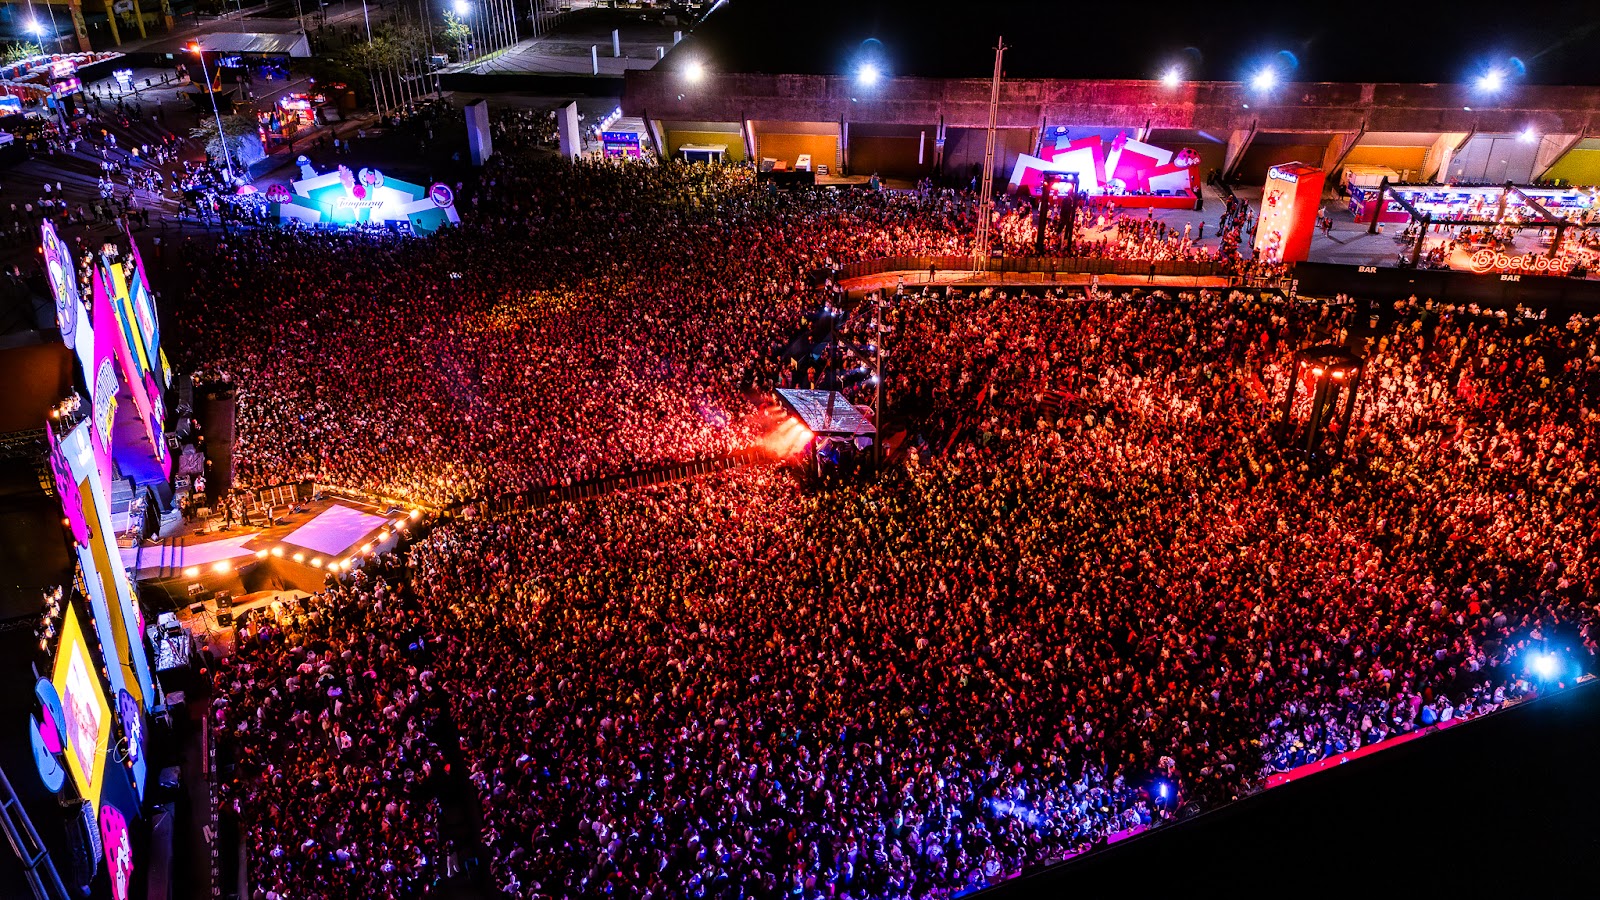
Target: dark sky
1553,42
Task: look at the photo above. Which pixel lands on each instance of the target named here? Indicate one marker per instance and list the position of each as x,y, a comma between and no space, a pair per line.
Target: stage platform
295,552
827,413
1143,201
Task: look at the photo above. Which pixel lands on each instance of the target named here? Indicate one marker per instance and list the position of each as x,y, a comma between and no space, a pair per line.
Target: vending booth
291,115
1446,202
1289,205
622,144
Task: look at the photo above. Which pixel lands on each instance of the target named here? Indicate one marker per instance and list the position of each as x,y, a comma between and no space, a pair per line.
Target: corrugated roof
254,42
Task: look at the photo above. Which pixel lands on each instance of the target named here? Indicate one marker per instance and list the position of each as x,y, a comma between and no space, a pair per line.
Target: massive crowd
587,321
1099,591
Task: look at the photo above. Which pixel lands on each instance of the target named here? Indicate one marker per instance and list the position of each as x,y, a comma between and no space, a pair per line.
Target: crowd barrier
598,487
1029,265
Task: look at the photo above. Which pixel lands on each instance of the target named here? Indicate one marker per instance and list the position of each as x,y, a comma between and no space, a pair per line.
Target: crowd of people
481,361
1097,594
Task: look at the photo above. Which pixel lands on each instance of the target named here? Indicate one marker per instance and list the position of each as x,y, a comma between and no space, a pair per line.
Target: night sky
1553,42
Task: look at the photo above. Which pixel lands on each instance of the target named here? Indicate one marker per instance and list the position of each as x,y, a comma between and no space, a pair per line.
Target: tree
19,51
455,34
244,140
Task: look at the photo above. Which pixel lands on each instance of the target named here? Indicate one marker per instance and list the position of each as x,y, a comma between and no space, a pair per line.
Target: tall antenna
980,248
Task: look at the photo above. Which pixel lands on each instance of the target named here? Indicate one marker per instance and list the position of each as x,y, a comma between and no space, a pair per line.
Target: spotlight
867,75
36,27
261,554
277,551
222,566
1492,80
192,572
299,557
1528,135
462,7
1265,80
1545,665
1172,78
694,71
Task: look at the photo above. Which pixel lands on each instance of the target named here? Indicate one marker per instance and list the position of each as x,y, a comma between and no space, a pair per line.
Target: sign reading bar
1487,261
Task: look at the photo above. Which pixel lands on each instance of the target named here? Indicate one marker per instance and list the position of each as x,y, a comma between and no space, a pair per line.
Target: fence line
599,487
1056,265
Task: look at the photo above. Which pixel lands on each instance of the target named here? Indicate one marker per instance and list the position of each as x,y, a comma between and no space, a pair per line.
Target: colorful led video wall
86,716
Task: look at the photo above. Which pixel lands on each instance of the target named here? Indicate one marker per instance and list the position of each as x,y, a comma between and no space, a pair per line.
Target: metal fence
1046,265
596,487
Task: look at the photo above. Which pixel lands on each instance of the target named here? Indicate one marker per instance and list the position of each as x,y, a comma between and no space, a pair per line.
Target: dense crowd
586,321
1097,593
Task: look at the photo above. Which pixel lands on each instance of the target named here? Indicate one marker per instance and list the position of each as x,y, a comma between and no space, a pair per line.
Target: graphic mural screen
88,716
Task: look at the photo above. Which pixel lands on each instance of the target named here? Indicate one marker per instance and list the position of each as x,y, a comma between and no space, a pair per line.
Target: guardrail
596,487
1030,265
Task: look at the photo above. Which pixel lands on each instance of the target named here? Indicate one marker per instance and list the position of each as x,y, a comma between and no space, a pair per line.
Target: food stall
1447,202
292,115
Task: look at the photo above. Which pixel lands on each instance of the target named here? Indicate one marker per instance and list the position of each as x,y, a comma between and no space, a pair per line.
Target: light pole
463,9
37,27
227,158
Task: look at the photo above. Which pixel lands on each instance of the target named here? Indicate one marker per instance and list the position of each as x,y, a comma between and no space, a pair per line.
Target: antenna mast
980,248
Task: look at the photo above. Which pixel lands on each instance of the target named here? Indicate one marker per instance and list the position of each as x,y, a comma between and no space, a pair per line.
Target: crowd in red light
1099,571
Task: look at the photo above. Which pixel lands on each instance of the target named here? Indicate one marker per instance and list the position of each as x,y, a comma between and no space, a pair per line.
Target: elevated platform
826,413
293,552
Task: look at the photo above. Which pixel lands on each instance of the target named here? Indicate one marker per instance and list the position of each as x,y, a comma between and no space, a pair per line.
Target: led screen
88,724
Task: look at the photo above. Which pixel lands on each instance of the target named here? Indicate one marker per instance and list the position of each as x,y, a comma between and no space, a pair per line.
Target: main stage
295,552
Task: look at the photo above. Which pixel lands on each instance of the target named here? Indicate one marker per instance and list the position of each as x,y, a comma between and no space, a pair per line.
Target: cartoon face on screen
63,285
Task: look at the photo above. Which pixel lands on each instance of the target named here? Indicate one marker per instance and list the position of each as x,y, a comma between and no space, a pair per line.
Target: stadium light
694,71
1172,77
868,74
1492,80
1265,80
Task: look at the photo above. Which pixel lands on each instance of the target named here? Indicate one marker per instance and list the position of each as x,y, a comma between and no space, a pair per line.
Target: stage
1144,201
296,552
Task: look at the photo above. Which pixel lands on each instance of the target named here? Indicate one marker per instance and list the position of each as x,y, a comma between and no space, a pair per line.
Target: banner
88,718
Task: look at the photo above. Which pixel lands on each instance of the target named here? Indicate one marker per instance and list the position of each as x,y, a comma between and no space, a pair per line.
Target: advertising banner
118,620
88,718
139,369
1289,206
102,378
72,316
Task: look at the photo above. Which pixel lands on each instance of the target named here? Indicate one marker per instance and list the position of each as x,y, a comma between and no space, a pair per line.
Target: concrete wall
824,149
675,138
891,150
1216,107
1264,154
1580,166
963,151
1401,159
1494,159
